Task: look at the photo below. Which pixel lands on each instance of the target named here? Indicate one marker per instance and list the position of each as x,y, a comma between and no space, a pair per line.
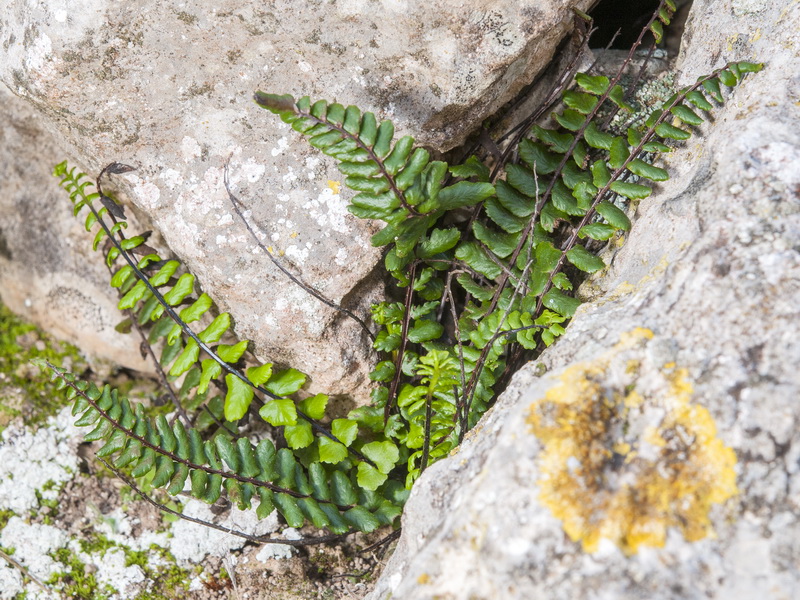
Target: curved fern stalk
237,207
143,296
327,499
117,213
332,455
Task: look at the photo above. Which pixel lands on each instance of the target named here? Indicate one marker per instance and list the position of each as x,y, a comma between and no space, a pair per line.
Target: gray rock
48,271
689,354
168,89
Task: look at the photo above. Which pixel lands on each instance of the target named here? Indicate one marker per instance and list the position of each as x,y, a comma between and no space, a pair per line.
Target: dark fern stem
478,299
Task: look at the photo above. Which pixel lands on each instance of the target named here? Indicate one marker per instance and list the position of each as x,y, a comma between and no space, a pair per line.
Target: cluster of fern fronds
477,297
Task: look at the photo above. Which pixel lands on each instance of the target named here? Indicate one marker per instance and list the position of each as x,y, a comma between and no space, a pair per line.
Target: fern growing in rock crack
477,298
503,279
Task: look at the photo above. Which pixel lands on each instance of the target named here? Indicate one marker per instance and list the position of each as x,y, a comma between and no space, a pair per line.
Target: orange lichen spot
626,454
424,579
633,336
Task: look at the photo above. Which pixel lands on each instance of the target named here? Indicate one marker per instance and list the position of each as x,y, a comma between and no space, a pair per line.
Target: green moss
52,504
23,391
74,581
5,516
135,557
170,582
98,544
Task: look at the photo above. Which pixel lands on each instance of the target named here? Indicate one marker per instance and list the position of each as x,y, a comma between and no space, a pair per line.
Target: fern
478,298
510,264
163,304
177,454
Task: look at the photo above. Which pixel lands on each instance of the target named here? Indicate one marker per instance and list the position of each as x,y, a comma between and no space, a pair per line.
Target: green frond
488,261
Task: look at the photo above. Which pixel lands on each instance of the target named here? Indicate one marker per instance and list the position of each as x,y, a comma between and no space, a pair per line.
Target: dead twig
25,572
256,539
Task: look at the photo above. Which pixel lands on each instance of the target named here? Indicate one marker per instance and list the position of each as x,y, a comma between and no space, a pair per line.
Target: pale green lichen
625,461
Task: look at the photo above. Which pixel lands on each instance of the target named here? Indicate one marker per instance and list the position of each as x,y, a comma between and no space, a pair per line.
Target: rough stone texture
39,466
47,268
167,88
694,330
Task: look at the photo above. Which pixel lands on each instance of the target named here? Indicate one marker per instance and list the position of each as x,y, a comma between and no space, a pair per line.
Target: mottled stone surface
47,268
689,352
168,88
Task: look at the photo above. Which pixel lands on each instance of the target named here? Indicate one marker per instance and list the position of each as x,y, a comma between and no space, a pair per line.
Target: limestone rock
48,271
672,399
168,89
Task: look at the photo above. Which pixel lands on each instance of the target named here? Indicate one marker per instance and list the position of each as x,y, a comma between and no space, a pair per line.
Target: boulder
168,89
47,268
653,451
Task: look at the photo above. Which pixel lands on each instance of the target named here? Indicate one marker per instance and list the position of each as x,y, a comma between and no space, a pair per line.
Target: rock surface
689,355
169,88
62,525
47,268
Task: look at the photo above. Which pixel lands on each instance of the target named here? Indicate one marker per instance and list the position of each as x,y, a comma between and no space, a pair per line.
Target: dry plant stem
556,89
323,539
135,323
426,444
387,540
521,130
237,206
398,363
639,75
232,574
462,414
24,571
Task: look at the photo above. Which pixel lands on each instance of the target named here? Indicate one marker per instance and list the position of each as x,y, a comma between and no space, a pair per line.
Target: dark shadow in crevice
626,16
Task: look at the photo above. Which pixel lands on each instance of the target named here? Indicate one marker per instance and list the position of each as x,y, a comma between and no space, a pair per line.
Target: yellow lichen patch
626,454
334,185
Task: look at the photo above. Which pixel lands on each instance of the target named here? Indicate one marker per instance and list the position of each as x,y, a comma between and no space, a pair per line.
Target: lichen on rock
627,455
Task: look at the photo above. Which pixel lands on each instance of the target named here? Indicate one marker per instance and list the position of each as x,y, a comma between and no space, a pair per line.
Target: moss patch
626,454
75,581
24,392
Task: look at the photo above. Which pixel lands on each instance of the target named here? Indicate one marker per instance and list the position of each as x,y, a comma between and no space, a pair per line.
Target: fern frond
481,292
325,497
395,180
155,298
